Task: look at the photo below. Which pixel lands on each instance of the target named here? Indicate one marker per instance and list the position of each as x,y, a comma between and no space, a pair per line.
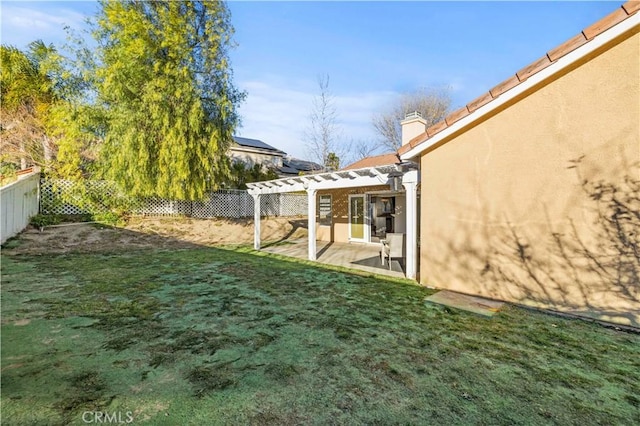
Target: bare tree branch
322,137
432,103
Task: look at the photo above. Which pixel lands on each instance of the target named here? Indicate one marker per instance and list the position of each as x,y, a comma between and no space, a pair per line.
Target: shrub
42,220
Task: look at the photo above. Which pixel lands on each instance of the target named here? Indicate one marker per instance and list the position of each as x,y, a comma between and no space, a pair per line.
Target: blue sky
372,52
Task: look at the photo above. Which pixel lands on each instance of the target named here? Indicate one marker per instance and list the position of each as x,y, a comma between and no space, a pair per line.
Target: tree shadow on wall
591,270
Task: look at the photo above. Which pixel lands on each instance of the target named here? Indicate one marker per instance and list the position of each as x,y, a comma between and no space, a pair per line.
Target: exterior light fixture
395,178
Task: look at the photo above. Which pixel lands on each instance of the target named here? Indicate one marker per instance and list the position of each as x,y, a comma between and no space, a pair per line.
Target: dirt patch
163,232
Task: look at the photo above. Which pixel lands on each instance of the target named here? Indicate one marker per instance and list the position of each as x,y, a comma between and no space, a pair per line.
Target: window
325,210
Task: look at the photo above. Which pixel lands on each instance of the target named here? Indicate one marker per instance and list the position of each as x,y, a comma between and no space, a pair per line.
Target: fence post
256,221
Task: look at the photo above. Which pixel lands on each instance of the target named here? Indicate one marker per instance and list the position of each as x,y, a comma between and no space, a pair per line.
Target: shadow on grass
177,333
374,262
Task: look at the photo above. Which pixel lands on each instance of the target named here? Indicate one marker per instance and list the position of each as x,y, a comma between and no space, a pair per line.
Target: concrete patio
362,256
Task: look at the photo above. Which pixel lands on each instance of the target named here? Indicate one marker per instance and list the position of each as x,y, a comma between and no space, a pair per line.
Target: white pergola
369,176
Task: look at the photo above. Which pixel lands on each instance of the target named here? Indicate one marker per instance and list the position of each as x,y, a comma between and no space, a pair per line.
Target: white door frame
366,223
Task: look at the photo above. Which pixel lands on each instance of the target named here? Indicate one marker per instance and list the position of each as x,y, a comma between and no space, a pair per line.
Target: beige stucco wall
504,213
339,229
250,157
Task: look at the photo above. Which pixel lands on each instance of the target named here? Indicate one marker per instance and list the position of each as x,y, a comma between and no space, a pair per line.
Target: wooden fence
18,203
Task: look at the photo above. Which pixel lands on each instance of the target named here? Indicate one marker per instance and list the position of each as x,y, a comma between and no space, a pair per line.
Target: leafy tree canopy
166,86
242,174
46,117
27,96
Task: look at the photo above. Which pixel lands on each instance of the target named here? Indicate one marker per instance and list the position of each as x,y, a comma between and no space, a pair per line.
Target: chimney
412,126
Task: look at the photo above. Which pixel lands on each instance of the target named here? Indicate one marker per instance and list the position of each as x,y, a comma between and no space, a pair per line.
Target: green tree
27,97
332,162
46,117
166,84
241,174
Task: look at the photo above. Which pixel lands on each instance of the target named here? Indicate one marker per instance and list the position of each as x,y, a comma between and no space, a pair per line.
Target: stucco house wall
518,207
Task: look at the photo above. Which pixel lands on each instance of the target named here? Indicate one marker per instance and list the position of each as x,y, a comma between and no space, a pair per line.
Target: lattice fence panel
161,207
58,196
65,197
224,203
270,205
293,204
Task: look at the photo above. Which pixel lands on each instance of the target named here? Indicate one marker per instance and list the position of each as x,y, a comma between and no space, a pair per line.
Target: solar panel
254,143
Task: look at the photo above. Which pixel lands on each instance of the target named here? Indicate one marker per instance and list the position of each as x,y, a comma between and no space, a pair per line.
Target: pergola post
256,220
311,214
410,183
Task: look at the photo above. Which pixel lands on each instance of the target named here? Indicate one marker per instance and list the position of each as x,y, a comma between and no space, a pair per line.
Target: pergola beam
330,180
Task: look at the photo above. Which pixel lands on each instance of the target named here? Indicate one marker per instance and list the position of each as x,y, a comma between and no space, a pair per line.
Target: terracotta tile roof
374,161
566,47
631,7
605,23
619,15
457,115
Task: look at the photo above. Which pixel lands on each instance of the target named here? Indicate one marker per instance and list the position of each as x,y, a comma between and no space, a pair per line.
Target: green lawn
230,336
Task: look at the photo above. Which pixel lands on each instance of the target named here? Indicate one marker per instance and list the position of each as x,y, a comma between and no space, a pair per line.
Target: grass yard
207,335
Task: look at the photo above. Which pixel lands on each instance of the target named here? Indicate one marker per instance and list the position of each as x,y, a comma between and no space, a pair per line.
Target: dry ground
155,232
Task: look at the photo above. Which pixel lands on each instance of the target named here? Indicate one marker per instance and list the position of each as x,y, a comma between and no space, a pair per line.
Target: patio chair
392,248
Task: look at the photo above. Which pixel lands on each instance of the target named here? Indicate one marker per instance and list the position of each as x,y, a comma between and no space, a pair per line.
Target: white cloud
26,23
279,115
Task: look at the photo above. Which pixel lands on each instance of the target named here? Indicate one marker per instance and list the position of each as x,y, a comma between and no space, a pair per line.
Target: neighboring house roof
256,144
302,165
486,103
290,166
374,161
293,166
286,170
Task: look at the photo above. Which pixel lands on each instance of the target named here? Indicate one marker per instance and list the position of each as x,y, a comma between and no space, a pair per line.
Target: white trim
559,65
311,224
370,176
256,221
410,183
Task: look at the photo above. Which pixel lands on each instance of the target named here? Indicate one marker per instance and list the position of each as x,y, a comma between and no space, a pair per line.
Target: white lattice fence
293,204
224,203
66,197
270,205
160,207
58,196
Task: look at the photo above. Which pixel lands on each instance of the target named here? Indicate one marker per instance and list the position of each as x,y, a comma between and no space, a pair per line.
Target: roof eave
560,64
